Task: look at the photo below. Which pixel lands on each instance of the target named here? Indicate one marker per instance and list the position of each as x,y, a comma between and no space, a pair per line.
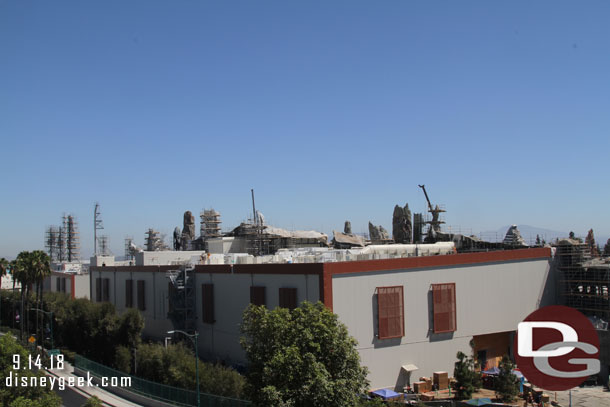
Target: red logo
557,348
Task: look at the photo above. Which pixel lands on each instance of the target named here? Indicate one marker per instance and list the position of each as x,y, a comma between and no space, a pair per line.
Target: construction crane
435,223
427,199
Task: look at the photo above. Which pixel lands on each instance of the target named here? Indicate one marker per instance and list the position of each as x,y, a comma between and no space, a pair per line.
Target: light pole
191,336
51,324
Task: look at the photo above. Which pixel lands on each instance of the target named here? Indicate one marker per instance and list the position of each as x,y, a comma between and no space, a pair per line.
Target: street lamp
48,312
191,336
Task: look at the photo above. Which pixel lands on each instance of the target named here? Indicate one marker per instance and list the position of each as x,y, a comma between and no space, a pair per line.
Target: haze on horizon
330,111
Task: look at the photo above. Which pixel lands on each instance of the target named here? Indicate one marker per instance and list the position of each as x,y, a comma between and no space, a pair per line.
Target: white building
417,311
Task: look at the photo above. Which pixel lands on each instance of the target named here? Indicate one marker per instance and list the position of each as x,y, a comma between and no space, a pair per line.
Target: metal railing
158,391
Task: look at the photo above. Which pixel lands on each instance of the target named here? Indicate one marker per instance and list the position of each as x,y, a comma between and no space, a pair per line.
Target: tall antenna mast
97,225
254,209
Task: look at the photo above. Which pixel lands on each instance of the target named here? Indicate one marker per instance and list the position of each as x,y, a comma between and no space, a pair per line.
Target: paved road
584,397
70,398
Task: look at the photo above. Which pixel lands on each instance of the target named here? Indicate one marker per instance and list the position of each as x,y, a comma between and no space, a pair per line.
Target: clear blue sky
330,110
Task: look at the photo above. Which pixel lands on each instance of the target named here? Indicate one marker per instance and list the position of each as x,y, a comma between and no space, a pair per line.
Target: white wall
490,298
162,258
81,285
231,296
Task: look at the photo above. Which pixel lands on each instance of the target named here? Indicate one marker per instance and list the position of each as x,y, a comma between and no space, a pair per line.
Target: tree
607,248
467,379
40,264
303,357
21,396
93,402
20,271
4,266
507,385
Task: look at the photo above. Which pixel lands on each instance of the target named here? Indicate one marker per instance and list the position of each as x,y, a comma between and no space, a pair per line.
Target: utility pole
97,225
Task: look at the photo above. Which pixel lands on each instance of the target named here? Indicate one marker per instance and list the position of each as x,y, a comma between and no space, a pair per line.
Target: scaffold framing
584,282
182,299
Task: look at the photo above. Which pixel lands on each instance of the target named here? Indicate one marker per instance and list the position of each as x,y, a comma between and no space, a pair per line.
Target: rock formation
188,230
402,227
590,242
378,234
513,237
177,238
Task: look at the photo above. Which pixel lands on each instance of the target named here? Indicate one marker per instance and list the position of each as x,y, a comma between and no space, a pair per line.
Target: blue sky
330,110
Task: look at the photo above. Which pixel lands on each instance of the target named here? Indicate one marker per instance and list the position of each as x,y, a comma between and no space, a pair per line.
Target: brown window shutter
207,298
141,295
288,298
128,293
98,289
390,312
444,307
257,295
106,290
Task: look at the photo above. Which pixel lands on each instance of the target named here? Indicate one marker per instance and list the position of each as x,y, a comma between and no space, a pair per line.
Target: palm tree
4,264
19,272
41,269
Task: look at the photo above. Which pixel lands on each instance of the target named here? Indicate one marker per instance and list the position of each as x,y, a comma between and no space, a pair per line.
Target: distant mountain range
529,234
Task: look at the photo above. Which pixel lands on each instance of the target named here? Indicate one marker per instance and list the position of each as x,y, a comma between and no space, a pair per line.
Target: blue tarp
517,373
480,402
493,371
385,393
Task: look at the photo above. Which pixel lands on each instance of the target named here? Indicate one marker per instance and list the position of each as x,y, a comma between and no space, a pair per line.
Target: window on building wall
128,293
207,303
63,285
390,312
57,284
141,296
288,298
98,289
443,300
257,295
106,290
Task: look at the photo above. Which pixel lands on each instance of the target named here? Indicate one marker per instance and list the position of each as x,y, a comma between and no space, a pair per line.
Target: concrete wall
231,296
224,245
490,298
162,258
81,286
76,285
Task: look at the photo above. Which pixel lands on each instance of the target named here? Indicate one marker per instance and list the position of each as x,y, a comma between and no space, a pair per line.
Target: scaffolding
72,239
61,240
102,242
210,223
258,243
418,227
584,283
182,299
128,248
154,241
51,242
